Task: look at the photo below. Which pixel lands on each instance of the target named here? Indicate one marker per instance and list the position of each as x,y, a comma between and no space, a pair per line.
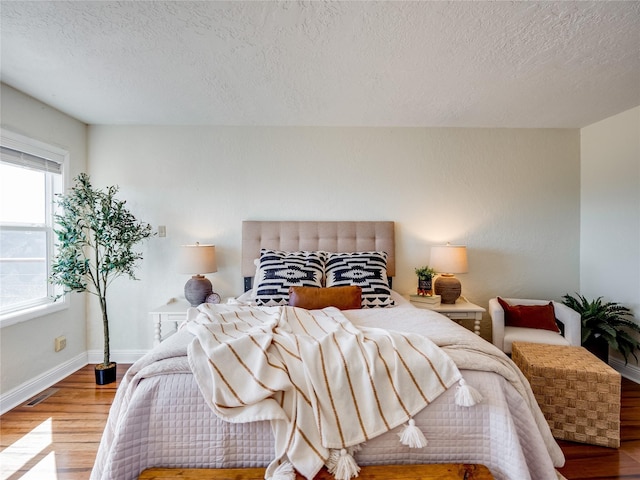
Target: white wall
511,195
26,349
610,211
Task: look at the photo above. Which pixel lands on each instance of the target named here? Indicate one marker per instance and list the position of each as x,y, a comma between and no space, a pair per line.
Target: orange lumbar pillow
530,316
314,298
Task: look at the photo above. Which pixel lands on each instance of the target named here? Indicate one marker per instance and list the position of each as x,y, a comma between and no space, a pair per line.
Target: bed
163,416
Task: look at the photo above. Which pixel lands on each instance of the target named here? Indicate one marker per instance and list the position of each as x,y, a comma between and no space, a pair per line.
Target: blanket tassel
343,466
412,436
284,471
466,395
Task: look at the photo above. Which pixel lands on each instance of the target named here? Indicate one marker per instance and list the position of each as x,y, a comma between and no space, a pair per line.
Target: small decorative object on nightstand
422,300
212,298
425,280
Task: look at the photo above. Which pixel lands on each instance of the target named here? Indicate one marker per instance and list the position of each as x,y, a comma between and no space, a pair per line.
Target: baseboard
24,392
118,356
632,372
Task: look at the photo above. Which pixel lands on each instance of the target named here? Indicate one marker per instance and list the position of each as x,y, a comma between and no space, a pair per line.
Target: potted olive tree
425,280
604,325
96,235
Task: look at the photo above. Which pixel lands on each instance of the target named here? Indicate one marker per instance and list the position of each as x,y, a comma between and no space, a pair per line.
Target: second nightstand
461,310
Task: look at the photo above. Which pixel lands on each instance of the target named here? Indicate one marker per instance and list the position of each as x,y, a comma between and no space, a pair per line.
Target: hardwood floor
58,438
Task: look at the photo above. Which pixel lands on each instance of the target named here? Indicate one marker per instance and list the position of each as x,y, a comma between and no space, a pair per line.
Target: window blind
27,160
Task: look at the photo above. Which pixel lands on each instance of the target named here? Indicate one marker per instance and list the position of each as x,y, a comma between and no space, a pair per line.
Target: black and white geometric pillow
278,270
365,269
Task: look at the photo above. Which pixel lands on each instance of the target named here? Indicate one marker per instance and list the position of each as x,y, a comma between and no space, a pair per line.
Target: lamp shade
197,259
449,259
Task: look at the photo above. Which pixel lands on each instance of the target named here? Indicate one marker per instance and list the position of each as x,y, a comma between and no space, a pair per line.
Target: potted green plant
96,235
604,325
425,280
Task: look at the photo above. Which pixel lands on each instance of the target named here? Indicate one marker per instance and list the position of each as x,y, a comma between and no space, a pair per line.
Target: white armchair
503,336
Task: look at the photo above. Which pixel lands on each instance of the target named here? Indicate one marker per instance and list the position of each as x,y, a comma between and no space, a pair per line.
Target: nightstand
461,310
174,311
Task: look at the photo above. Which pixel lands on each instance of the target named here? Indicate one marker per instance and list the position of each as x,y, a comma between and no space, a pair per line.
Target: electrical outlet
162,231
60,343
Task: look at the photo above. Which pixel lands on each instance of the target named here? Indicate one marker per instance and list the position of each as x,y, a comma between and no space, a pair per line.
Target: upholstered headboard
339,236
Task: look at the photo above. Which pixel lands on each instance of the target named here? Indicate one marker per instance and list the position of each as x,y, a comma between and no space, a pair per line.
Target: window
31,174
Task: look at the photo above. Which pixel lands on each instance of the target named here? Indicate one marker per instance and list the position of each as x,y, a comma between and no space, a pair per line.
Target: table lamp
447,260
197,260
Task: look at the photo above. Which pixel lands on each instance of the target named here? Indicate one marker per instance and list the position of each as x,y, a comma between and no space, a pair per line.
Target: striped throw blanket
324,384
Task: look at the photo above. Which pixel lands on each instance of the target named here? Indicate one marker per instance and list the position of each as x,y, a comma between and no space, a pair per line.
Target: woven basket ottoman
577,392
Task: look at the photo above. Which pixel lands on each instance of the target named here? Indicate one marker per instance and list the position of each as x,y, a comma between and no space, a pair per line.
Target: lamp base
197,289
448,287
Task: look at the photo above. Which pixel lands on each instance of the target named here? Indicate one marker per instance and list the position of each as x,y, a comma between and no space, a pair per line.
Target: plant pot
599,347
107,375
425,287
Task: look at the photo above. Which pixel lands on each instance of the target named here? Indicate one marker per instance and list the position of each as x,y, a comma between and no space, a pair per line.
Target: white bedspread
159,417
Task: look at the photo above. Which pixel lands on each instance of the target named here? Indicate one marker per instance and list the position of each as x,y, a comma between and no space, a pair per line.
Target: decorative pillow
530,316
312,298
278,270
367,270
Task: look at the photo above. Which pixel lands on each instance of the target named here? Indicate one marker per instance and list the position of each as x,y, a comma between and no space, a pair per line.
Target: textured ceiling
384,63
